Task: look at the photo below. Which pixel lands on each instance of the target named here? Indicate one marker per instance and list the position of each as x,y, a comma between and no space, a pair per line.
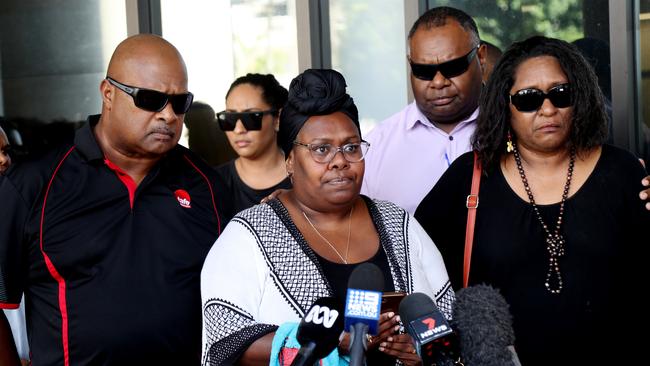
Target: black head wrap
315,92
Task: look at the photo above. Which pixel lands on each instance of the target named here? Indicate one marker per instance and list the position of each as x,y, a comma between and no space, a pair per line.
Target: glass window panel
368,43
644,92
53,55
583,22
222,40
502,22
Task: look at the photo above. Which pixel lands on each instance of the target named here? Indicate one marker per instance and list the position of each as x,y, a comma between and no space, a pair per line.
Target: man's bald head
143,50
142,62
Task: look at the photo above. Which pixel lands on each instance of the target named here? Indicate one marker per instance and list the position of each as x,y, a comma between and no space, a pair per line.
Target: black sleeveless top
338,274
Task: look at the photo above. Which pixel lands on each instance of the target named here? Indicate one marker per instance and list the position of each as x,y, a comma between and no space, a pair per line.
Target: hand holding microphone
368,328
362,308
319,331
433,336
388,326
402,347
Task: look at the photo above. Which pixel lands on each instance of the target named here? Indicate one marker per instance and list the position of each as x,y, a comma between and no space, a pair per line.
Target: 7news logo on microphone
431,326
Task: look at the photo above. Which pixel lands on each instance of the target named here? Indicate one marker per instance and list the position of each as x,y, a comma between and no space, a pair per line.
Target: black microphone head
425,323
484,325
322,325
367,276
414,306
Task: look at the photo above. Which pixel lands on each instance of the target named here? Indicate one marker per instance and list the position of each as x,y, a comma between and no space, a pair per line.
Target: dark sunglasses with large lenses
449,69
252,121
531,99
153,100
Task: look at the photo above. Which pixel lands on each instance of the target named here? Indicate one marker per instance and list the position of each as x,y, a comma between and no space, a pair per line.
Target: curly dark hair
589,124
273,93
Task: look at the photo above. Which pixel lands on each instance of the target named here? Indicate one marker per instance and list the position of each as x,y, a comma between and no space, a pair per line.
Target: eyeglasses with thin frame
449,69
252,121
531,99
153,100
325,153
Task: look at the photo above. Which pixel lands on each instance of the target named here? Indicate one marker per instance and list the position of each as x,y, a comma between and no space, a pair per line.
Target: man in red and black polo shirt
106,236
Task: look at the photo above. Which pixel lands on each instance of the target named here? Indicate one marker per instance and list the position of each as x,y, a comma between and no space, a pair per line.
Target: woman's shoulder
226,169
251,226
460,169
258,213
465,159
621,164
616,155
267,220
454,180
384,208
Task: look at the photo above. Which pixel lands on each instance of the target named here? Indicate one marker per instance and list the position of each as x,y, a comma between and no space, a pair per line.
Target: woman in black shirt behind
560,229
251,123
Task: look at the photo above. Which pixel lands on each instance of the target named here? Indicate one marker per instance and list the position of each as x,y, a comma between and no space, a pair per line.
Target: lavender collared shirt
408,154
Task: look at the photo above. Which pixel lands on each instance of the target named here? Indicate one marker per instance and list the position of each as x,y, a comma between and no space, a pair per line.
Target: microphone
480,333
362,308
484,326
319,331
434,339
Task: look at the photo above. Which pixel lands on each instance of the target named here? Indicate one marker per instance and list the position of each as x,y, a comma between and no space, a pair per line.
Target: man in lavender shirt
410,150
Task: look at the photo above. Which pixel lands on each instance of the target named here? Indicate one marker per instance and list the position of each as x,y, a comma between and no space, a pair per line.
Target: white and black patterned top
261,273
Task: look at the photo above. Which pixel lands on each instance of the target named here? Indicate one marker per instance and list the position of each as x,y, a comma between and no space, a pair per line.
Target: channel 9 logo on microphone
363,304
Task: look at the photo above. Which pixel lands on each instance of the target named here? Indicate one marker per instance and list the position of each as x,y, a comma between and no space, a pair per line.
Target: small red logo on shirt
183,198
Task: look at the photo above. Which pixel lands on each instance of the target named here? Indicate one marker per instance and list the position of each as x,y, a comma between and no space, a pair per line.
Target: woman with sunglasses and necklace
559,225
251,122
303,245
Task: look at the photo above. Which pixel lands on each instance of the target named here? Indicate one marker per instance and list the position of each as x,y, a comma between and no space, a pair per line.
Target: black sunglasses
531,99
153,100
252,121
449,69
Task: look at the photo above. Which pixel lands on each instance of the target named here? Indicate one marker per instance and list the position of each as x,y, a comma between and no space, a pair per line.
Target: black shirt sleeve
14,212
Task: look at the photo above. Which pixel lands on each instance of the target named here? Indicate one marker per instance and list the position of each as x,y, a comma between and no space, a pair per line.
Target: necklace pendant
555,245
553,281
554,241
551,246
559,242
550,241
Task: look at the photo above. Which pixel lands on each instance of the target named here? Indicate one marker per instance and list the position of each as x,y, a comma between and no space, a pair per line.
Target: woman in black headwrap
302,246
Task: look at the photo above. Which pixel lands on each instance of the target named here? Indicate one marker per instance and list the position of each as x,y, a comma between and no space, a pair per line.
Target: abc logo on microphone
322,315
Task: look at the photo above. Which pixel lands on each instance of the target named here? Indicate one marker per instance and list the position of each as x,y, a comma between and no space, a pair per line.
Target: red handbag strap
472,204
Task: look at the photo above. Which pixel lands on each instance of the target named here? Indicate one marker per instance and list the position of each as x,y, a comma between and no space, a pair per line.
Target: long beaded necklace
554,241
347,247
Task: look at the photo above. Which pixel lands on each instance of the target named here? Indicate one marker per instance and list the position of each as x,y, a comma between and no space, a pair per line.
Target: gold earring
509,147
